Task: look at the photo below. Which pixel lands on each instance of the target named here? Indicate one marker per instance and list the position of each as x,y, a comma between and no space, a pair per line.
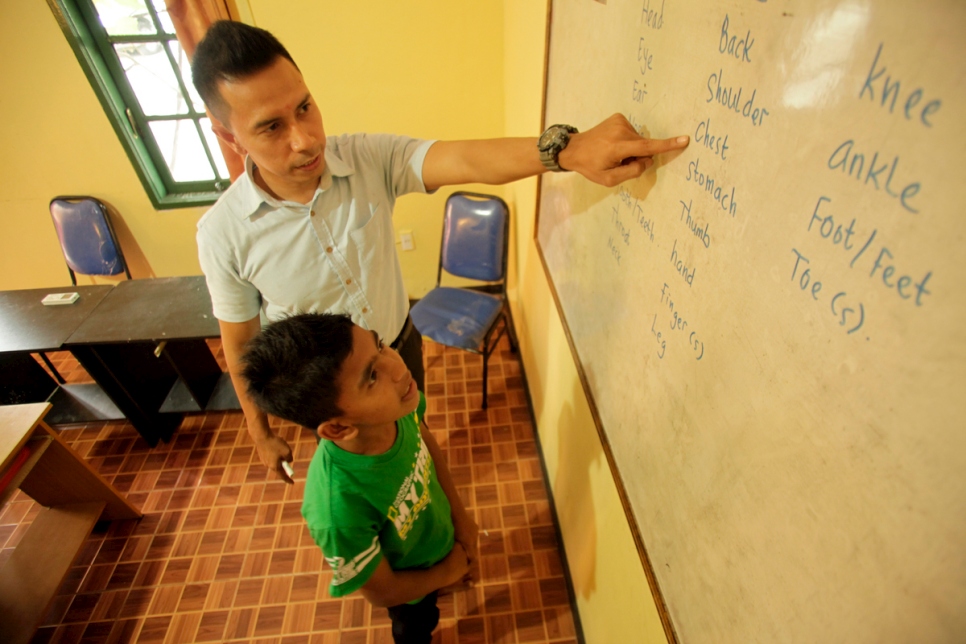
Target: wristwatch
552,142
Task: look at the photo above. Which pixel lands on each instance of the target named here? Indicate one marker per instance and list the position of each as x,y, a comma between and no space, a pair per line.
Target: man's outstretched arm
609,153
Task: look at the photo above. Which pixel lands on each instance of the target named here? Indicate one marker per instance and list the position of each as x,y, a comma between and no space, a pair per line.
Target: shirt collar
257,200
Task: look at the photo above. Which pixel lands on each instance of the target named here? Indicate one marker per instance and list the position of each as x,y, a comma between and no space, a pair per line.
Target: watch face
547,139
554,139
555,136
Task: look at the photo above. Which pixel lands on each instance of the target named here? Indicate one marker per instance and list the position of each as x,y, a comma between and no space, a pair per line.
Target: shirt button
348,281
312,213
365,309
329,249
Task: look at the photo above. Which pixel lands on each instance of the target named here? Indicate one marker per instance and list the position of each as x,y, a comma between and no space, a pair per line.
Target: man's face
273,119
375,387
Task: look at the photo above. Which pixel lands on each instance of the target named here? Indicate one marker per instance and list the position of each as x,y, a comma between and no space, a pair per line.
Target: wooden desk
145,346
27,326
75,496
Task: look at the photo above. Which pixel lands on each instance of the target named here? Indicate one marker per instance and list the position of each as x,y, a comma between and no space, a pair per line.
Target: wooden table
28,326
75,496
144,344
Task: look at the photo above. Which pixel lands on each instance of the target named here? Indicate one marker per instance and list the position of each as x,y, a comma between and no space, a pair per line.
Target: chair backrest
86,237
475,231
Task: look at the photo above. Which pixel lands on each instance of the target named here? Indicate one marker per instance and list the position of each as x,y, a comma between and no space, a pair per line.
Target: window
141,74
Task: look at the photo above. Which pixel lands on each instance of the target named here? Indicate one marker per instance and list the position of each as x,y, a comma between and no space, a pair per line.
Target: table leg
137,381
197,368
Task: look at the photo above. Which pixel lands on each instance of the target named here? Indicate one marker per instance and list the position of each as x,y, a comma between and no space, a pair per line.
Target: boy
379,499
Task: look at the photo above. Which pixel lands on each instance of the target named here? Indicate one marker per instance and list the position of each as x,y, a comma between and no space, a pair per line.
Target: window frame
123,110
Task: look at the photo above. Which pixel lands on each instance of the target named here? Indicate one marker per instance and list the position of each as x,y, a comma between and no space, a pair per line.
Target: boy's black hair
292,365
231,51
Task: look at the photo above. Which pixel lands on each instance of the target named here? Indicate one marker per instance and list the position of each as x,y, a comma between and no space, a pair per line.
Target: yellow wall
435,69
57,140
432,69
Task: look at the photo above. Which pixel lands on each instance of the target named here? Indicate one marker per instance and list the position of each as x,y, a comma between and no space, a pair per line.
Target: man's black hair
231,51
292,365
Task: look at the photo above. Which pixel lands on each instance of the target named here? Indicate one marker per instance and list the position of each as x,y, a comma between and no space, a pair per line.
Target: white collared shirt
336,254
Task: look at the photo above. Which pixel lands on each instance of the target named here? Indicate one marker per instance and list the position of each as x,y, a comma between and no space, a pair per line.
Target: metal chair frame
496,288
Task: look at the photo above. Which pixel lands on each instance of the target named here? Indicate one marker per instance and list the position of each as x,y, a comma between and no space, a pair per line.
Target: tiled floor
222,554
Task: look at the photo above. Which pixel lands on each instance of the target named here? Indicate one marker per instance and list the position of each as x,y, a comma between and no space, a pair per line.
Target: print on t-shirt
413,494
343,572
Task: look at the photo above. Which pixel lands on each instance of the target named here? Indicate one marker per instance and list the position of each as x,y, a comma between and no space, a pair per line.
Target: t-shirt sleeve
353,554
233,299
402,157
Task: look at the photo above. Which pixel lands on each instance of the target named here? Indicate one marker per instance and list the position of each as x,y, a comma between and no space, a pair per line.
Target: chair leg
486,359
53,369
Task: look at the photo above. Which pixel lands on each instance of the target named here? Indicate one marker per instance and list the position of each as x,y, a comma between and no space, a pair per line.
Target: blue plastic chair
475,242
87,237
88,241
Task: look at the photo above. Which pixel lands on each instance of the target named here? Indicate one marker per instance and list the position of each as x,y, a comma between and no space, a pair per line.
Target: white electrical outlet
406,240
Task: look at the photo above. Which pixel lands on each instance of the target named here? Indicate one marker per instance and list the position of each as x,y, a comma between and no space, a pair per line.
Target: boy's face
375,387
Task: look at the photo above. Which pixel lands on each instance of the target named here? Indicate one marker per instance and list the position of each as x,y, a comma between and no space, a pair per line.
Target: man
308,227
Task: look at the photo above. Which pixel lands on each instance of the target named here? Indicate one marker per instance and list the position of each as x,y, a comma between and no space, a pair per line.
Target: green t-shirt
362,508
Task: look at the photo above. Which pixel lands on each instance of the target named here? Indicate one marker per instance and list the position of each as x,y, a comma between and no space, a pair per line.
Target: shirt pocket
370,246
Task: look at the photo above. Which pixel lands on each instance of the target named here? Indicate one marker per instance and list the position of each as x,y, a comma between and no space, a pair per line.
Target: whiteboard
771,325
